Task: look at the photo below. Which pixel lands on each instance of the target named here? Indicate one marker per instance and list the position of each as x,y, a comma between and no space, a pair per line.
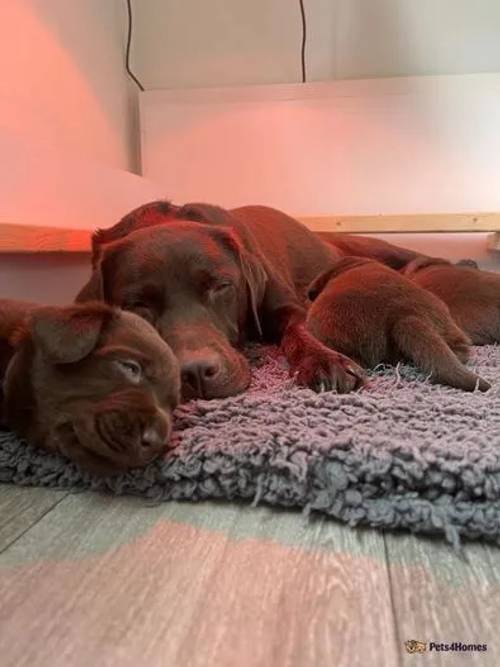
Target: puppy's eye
131,369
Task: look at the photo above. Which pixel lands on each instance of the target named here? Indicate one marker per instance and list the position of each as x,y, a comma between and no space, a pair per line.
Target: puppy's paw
322,369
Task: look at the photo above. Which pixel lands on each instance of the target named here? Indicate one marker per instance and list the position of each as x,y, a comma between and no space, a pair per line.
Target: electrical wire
127,53
304,38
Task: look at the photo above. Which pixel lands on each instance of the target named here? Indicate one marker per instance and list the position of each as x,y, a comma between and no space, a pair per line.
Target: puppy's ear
422,262
468,263
318,285
67,335
342,265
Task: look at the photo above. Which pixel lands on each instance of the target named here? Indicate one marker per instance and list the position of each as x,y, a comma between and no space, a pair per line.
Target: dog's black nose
198,374
152,438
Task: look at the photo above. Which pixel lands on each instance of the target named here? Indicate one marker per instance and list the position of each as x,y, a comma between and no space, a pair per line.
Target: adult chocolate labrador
209,278
91,382
374,314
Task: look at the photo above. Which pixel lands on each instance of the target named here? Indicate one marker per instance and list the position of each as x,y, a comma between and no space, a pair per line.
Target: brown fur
373,314
348,245
174,273
472,295
91,382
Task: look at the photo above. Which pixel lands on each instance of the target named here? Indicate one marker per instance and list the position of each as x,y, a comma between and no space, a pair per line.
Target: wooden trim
403,224
33,239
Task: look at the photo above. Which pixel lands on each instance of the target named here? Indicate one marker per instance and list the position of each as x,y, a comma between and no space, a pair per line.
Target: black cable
127,53
304,37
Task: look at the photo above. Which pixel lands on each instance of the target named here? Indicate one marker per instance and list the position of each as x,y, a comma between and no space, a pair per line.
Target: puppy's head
341,266
198,286
93,383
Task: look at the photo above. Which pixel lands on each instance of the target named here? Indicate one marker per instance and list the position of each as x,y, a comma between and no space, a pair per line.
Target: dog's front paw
322,369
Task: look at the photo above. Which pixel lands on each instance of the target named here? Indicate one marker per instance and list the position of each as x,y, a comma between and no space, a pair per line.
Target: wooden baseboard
33,239
405,224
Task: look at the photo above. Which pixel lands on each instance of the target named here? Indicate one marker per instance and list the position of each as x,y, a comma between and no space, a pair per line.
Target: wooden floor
94,581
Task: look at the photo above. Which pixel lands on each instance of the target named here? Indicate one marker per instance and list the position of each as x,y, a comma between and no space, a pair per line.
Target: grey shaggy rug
400,454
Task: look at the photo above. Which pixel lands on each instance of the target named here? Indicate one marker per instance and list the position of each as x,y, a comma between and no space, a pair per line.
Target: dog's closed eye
131,369
221,287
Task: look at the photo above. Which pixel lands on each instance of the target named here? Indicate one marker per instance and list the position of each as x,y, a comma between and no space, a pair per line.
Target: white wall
63,78
40,186
197,43
379,146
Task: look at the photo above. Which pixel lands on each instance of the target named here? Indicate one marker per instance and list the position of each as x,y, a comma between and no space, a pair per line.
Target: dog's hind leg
421,343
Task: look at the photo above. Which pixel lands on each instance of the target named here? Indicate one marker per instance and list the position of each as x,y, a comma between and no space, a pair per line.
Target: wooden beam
16,238
427,222
32,239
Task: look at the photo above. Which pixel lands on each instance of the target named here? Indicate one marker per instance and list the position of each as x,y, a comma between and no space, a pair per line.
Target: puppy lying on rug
473,296
372,314
91,382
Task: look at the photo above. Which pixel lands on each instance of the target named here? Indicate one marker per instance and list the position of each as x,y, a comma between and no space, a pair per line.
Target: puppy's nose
152,438
198,373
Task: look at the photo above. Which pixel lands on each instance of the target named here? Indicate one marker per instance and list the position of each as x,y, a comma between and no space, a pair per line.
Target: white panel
45,187
240,42
403,145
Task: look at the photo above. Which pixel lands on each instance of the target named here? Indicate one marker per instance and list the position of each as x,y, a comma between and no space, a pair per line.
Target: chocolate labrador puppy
91,382
472,295
209,278
373,314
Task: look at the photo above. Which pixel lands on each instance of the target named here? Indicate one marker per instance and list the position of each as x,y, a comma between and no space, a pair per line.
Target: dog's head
93,383
198,286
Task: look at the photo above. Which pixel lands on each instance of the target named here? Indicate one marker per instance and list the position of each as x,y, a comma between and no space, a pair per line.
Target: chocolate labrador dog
472,295
209,278
91,382
373,314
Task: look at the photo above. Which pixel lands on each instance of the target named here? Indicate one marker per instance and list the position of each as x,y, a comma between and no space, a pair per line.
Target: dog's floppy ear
342,265
67,335
256,279
422,262
252,269
468,263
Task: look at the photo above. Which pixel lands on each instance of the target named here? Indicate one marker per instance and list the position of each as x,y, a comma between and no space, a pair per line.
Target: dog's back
472,296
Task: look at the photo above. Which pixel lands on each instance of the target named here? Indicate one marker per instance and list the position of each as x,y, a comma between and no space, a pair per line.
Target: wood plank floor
87,579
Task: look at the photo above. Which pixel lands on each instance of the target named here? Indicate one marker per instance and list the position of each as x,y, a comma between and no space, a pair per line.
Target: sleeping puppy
373,314
91,382
472,295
